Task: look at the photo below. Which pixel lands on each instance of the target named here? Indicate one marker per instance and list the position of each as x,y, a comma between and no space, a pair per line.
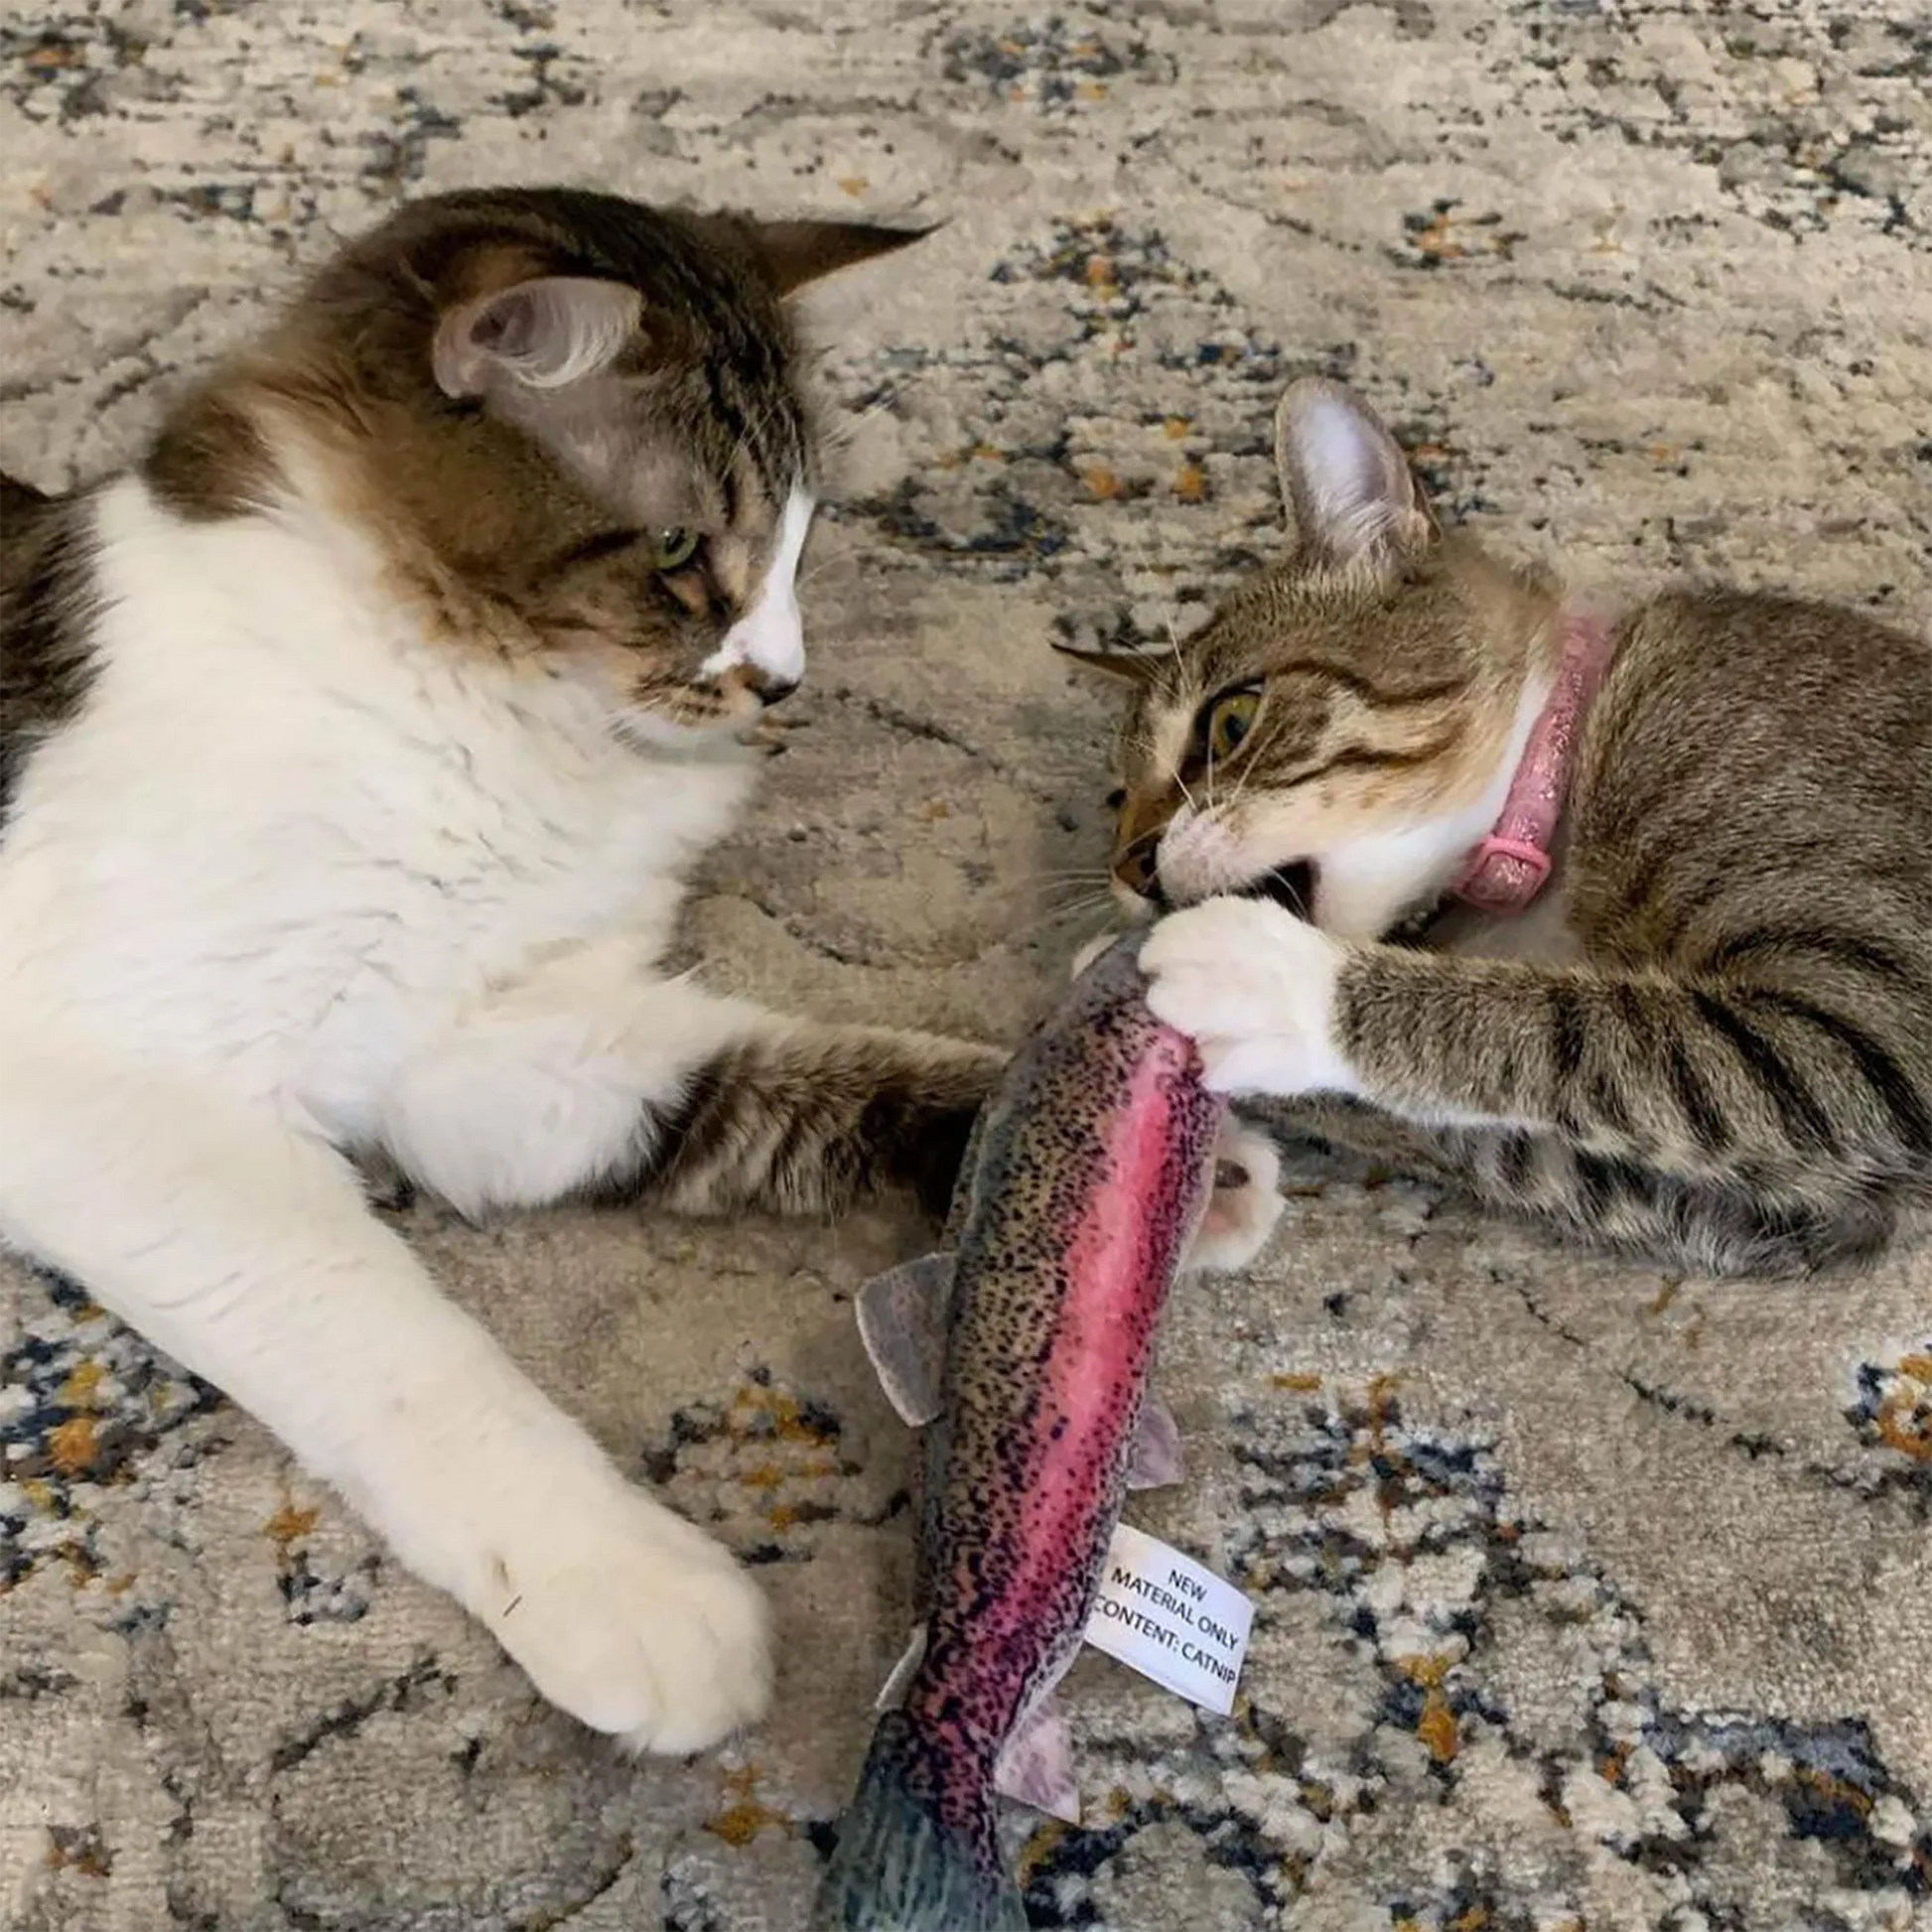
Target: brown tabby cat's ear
542,334
1345,482
797,254
1131,666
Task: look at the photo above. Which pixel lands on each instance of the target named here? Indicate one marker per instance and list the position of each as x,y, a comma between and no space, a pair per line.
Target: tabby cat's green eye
673,549
1229,720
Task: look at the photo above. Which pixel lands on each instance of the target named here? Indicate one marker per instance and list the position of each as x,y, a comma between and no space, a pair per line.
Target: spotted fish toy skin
1087,1177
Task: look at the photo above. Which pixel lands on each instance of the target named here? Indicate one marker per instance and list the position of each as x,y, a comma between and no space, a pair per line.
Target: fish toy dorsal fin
902,1319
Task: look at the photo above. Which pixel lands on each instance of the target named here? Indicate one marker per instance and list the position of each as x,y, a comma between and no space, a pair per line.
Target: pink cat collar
1511,866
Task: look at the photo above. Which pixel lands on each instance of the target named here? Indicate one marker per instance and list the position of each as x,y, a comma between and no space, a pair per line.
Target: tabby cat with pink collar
1621,920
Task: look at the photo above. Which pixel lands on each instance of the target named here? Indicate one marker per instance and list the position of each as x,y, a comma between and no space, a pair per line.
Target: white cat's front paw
1255,987
1246,1201
634,1622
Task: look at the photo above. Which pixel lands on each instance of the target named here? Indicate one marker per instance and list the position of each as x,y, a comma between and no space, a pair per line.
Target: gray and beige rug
1585,1599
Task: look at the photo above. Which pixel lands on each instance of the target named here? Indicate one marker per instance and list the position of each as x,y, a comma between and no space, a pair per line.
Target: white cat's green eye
1229,720
673,549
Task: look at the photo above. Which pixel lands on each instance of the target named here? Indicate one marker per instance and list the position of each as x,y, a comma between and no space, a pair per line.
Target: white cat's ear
544,334
1344,479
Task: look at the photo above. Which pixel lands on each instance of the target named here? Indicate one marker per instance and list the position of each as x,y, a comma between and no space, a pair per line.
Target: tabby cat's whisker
1092,874
1246,773
1092,896
1060,915
1145,747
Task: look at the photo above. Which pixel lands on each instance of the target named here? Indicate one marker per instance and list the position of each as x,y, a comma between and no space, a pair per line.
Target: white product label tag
1163,1615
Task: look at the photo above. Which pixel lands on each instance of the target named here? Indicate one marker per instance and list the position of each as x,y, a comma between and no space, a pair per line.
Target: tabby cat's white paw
636,1623
1255,987
1242,1210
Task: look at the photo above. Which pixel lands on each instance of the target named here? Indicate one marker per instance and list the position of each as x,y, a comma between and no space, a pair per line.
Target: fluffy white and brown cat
353,747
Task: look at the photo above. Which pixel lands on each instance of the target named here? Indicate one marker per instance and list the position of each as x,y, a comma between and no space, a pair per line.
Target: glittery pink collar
1509,867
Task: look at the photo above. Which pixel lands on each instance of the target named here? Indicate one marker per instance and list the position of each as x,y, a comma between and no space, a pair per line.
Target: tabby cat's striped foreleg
1727,1225
1703,1078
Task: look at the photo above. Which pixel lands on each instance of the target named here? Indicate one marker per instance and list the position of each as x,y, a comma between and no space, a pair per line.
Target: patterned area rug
1585,1599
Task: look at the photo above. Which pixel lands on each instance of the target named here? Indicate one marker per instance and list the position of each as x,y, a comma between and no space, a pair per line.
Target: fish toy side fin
1035,1764
1155,1460
903,1317
892,1692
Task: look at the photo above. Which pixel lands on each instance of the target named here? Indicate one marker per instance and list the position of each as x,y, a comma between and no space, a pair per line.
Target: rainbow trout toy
1027,1353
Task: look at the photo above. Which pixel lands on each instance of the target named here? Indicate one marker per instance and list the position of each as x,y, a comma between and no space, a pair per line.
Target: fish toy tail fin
901,1866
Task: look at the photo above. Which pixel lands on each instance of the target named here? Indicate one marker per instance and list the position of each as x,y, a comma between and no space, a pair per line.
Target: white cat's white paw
634,1622
1242,1212
1255,987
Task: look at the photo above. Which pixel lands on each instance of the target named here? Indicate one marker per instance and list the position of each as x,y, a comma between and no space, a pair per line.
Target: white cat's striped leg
590,1075
246,1251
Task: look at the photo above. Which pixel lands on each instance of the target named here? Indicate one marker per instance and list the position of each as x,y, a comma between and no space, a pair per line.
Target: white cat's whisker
847,426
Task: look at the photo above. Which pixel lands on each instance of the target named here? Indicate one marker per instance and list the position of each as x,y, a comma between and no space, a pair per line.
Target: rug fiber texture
1587,1600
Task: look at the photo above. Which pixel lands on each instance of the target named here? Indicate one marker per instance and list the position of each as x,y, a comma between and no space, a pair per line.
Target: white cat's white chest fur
288,830
297,879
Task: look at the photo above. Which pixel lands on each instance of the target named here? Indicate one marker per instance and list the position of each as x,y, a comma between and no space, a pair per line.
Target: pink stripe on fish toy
1029,1355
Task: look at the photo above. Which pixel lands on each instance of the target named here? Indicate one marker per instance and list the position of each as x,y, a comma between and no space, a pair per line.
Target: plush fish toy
1027,1353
